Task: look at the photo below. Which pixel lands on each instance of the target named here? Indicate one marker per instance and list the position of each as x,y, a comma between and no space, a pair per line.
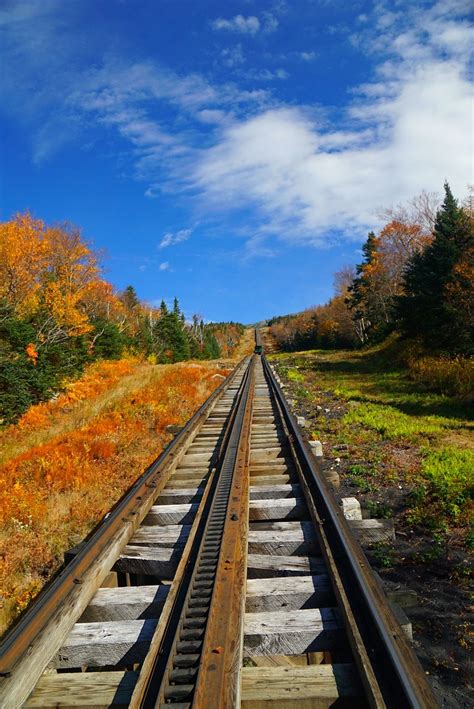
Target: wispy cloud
238,23
164,266
171,239
233,56
250,25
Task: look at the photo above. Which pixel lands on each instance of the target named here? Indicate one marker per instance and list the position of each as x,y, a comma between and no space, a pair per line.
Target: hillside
66,462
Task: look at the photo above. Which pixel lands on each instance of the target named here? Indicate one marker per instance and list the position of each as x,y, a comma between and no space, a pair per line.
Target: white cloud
233,56
164,266
212,115
238,23
408,130
170,239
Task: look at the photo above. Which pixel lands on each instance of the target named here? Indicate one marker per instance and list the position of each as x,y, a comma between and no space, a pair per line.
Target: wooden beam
83,689
151,561
274,492
311,687
261,566
372,531
258,480
125,603
289,508
164,536
298,539
293,593
172,514
180,496
293,632
110,643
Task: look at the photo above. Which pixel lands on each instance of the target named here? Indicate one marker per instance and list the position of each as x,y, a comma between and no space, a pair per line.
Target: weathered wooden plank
262,443
293,593
313,686
278,660
266,454
261,566
172,514
258,480
83,689
271,468
125,603
150,561
289,508
293,632
298,539
191,460
371,531
103,644
190,473
164,536
180,496
273,492
191,481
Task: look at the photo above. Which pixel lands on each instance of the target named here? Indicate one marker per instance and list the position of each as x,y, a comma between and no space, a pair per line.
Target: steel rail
399,674
175,671
131,508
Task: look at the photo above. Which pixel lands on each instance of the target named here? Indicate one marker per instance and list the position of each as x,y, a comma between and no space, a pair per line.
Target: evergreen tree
172,338
359,291
129,298
425,308
108,341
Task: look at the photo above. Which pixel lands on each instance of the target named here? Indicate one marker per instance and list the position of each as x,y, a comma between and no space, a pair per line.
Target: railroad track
226,577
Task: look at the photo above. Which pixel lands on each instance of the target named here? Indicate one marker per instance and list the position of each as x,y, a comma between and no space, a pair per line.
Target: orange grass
52,494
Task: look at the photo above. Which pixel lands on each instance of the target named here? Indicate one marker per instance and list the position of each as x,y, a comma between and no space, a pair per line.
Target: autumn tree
23,259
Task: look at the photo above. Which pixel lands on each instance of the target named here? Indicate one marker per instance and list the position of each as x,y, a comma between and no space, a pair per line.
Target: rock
351,508
316,448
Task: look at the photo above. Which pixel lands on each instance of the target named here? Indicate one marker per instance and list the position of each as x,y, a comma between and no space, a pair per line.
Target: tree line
57,313
416,277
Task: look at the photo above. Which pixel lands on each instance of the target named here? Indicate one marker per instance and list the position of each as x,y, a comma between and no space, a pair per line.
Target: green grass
391,423
387,411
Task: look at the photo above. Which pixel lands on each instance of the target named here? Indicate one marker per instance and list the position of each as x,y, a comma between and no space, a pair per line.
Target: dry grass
67,462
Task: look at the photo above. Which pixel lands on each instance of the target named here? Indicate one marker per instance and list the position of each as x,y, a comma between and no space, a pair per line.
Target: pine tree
425,308
129,298
359,299
172,338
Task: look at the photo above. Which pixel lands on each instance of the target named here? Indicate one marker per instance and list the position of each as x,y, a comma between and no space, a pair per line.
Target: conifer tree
425,308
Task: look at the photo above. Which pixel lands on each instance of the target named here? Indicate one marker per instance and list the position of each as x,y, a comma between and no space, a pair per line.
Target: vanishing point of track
227,576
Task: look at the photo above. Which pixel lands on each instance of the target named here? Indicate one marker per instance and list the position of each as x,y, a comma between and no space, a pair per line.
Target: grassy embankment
67,461
399,427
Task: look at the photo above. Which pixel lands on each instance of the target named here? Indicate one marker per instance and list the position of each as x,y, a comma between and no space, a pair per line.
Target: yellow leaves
47,273
63,305
22,258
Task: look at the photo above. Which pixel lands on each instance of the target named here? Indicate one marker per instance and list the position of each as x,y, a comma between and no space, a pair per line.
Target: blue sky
232,153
